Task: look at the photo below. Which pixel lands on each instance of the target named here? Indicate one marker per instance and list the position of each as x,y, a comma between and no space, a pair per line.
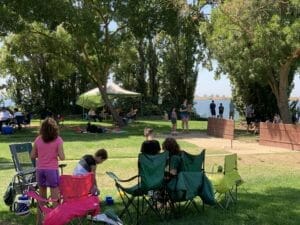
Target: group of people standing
212,107
184,110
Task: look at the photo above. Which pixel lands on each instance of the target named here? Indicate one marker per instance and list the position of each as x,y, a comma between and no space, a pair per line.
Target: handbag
9,195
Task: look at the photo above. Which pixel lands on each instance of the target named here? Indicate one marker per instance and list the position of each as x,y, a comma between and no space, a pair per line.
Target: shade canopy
93,99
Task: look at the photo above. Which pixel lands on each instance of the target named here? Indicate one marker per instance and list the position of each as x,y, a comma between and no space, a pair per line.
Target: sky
207,85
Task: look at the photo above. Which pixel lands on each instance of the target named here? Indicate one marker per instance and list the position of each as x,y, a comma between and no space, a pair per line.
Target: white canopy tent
92,98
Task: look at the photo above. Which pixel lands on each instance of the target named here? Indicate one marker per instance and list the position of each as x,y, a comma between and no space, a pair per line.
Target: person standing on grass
88,164
150,145
47,149
174,121
184,114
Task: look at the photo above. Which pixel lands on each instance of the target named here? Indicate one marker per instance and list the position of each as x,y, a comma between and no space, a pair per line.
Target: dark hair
49,130
148,131
171,145
101,153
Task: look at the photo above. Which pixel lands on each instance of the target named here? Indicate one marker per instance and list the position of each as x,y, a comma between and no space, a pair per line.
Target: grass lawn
270,194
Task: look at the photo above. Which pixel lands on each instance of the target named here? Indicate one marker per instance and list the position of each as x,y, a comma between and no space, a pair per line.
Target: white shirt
18,113
5,115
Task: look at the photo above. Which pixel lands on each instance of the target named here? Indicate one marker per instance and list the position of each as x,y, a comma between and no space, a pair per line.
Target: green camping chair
190,182
150,179
226,182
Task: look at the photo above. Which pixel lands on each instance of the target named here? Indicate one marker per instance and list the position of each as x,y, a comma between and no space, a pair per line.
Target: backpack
9,195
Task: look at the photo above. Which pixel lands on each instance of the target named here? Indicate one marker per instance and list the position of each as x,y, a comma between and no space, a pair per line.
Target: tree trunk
107,102
152,57
142,88
283,98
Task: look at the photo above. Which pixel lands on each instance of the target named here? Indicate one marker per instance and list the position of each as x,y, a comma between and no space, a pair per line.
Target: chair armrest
26,172
36,196
62,165
117,179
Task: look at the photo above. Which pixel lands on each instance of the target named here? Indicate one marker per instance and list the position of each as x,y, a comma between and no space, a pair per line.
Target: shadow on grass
10,218
6,166
5,160
70,133
241,134
278,206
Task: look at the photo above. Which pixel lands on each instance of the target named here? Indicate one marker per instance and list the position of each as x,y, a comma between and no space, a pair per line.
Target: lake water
202,108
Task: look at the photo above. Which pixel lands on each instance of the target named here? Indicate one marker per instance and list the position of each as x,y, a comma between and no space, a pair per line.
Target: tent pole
141,101
83,111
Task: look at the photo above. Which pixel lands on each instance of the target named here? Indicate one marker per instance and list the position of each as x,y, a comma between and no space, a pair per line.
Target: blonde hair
148,132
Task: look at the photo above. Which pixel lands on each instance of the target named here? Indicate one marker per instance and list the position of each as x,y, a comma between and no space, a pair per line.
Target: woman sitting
171,145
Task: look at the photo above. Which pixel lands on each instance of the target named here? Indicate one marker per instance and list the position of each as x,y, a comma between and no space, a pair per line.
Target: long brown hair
171,145
49,130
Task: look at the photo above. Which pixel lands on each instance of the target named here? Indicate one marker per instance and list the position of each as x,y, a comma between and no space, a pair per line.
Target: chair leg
39,216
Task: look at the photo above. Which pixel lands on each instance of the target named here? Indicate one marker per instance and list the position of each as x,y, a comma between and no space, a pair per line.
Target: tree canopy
257,41
60,39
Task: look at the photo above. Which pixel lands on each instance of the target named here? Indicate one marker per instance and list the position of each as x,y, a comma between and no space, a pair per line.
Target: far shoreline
228,98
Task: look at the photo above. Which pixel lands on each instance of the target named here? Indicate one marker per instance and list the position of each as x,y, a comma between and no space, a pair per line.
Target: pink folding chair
76,201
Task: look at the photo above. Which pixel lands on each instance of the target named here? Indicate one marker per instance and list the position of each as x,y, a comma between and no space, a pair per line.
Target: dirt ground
249,151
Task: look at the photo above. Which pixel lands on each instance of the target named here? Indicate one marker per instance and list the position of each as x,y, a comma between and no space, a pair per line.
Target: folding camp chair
226,182
24,166
75,202
150,179
190,182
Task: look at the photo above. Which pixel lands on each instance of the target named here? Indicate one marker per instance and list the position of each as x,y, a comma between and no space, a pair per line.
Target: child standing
47,148
174,121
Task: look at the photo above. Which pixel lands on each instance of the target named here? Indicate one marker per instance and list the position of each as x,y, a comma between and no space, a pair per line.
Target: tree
90,34
38,76
257,41
92,31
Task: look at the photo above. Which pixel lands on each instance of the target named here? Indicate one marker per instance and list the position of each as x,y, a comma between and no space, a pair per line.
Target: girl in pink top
47,148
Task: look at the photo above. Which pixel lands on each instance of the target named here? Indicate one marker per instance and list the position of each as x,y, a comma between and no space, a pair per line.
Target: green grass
270,194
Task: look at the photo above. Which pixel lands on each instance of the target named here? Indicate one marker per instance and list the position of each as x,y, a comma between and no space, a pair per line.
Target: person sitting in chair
5,117
19,117
150,146
171,145
132,114
92,115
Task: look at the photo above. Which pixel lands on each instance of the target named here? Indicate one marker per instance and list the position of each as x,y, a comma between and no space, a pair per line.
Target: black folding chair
24,166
